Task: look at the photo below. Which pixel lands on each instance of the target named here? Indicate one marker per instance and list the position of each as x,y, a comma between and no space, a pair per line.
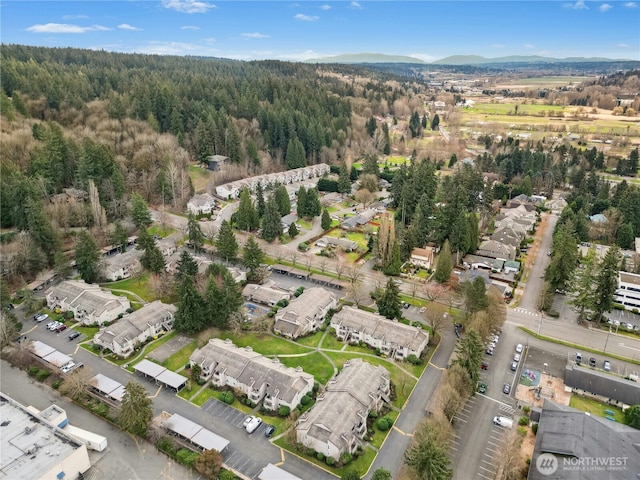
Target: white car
254,424
423,309
516,357
68,367
519,348
247,421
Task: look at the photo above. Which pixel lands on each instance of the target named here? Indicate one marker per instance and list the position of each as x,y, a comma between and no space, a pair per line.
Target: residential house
262,379
517,229
227,191
484,263
201,203
238,275
123,336
598,218
493,249
264,295
305,314
628,291
556,206
507,236
216,162
88,302
394,339
337,422
287,220
423,257
343,243
511,266
167,245
122,265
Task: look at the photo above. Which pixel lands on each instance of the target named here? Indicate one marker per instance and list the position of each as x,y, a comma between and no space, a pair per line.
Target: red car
61,328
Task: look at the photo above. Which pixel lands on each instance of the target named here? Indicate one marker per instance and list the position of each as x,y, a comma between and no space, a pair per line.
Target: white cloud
356,5
189,27
579,5
325,7
631,4
528,45
188,6
126,26
306,18
254,35
605,7
425,57
64,28
174,48
75,17
623,45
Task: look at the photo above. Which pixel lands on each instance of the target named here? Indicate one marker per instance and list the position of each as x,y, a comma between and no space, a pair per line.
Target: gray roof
195,433
122,260
341,242
381,328
570,434
87,297
301,311
271,472
27,440
148,368
201,199
108,386
252,369
492,263
262,294
132,325
601,383
172,379
49,354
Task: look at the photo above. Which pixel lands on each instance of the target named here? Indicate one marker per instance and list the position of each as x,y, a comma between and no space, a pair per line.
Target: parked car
506,389
73,335
519,348
514,366
592,362
68,367
253,424
406,305
489,351
423,309
269,431
60,328
578,358
606,366
482,388
516,357
247,421
40,317
484,366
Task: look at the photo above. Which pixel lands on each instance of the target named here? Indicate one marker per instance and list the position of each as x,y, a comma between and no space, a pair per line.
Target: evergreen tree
394,265
194,233
136,410
140,213
435,122
62,265
428,456
295,156
272,221
581,284
564,256
119,237
389,304
370,166
475,295
624,236
253,256
444,266
293,230
607,282
302,202
41,230
87,257
231,298
453,160
190,312
371,126
282,200
247,216
326,220
187,266
259,201
469,352
387,139
226,242
344,182
313,208
152,258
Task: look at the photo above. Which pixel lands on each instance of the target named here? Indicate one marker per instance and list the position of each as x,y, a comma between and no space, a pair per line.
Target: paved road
392,453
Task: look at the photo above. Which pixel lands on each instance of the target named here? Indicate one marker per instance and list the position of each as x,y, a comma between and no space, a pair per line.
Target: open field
595,407
550,81
199,177
139,286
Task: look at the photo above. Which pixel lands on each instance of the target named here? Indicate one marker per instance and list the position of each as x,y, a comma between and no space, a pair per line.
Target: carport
159,374
195,433
107,387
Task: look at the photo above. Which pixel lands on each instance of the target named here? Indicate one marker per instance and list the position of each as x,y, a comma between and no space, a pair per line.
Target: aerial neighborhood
280,270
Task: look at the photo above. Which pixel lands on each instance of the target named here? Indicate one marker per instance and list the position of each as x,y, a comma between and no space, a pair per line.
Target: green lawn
158,230
139,286
306,224
199,177
379,436
88,332
396,160
314,363
186,392
265,343
595,407
180,358
205,395
332,209
311,340
360,238
330,342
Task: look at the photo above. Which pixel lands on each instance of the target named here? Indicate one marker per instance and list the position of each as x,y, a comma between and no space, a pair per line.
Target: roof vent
28,429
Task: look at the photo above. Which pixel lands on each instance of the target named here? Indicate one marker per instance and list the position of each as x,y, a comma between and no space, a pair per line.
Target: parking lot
239,457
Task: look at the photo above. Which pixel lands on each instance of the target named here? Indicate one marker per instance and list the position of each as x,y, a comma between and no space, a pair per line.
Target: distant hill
365,58
479,60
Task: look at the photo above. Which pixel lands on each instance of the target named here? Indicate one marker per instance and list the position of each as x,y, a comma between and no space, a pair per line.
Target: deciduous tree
208,464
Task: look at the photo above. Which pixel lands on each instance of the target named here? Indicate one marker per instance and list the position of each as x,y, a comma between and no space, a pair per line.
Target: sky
302,30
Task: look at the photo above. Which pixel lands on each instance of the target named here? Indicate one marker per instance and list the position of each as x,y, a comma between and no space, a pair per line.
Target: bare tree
75,384
354,274
340,269
323,264
161,285
450,401
307,262
436,319
294,257
434,291
172,172
511,465
164,219
210,231
414,288
357,293
99,214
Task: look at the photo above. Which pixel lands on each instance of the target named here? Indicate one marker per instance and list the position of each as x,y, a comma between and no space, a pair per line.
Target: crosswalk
524,310
507,409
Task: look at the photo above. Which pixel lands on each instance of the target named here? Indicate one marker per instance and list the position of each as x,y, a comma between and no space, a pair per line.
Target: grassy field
266,344
88,332
199,177
139,286
595,407
330,342
505,108
396,161
306,224
360,238
311,340
161,232
205,395
314,363
180,358
555,81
